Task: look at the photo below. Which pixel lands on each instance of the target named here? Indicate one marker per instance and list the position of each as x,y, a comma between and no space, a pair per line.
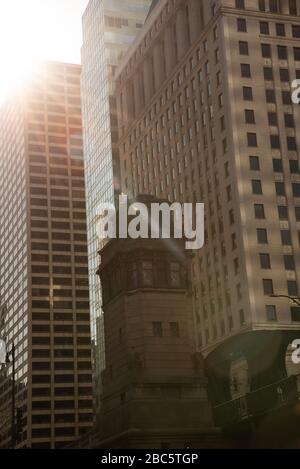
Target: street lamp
294,299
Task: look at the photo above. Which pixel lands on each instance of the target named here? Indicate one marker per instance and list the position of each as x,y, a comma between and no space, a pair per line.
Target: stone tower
154,389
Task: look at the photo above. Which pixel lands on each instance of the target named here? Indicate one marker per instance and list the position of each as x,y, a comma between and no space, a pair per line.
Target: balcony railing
258,402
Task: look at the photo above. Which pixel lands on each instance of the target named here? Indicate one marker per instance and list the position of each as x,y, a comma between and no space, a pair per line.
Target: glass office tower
109,28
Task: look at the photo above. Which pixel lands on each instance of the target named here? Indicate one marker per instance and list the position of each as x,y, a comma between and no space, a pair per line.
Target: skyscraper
109,28
43,262
205,115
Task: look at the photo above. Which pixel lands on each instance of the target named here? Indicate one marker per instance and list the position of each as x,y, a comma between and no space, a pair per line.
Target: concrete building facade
205,115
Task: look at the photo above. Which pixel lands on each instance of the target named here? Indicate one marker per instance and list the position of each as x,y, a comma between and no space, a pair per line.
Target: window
262,236
245,71
272,117
262,5
275,142
292,288
296,31
294,166
289,120
297,53
283,212
280,189
286,239
266,51
271,313
286,97
256,187
289,262
259,211
265,262
268,287
291,143
282,52
268,74
241,25
284,75
254,163
264,27
244,48
297,213
247,93
295,314
249,116
293,7
270,96
251,139
240,4
274,6
280,29
296,189
157,329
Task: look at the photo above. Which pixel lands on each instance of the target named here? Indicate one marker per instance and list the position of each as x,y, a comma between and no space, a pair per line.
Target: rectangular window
249,116
284,75
272,117
286,238
275,142
244,48
256,187
289,262
264,27
254,163
283,212
262,236
296,189
280,29
245,70
282,52
268,287
265,261
292,288
271,313
295,314
280,189
294,166
251,139
259,211
270,96
268,74
266,51
241,25
296,31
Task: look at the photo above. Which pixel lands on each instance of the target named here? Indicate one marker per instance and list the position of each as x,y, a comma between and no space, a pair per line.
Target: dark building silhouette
154,388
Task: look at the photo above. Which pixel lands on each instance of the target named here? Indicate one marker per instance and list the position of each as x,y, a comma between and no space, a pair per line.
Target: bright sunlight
36,29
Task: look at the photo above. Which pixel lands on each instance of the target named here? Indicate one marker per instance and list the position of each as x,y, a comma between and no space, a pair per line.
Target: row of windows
242,27
259,212
266,51
275,6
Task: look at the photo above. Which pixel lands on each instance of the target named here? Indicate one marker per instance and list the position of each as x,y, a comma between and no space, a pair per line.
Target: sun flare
18,46
32,30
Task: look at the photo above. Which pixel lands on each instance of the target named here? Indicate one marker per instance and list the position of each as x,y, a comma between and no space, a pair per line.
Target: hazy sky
48,29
